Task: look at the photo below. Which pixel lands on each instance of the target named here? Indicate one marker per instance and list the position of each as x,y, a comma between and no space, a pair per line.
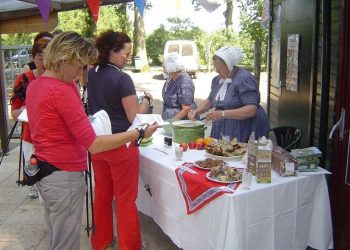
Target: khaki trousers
63,196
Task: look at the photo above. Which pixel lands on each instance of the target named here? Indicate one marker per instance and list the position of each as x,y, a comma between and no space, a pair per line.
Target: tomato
184,146
192,145
200,145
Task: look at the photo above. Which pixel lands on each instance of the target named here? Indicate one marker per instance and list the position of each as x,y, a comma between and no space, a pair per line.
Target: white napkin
101,123
23,116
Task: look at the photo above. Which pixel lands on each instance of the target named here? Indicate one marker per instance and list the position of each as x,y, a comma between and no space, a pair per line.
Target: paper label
290,167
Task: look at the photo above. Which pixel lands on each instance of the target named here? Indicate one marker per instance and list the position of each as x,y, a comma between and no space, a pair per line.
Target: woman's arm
131,107
242,113
183,112
203,107
16,112
109,142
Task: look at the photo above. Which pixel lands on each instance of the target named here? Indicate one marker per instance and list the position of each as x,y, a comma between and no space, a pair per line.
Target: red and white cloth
197,190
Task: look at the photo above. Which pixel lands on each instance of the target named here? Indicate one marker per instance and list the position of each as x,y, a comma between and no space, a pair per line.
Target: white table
289,213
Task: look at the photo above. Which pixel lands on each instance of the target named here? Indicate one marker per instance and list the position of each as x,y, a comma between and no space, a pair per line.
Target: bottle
32,167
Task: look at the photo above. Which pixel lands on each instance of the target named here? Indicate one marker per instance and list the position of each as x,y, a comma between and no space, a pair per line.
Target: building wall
303,108
334,40
288,108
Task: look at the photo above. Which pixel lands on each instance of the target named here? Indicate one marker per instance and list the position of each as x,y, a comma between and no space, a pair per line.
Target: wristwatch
223,113
141,129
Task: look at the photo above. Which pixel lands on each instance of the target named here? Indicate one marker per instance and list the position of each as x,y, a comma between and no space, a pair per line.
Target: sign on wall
292,62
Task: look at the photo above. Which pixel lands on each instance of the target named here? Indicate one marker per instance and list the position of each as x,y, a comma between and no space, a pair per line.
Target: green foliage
110,17
251,11
18,39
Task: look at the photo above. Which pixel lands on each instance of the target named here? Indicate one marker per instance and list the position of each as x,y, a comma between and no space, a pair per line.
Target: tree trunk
124,21
228,17
140,41
257,61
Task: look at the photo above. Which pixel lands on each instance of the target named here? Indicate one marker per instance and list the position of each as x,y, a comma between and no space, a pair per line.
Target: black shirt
106,88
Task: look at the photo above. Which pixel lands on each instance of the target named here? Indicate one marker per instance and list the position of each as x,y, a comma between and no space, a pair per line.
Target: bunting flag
94,6
140,4
210,5
44,8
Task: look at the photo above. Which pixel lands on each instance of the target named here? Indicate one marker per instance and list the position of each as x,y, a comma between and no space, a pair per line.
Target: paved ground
22,223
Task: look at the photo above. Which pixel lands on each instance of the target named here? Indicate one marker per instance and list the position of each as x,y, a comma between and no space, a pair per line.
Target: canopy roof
14,9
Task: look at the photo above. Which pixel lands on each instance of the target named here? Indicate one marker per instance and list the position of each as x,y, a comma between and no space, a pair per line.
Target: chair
286,137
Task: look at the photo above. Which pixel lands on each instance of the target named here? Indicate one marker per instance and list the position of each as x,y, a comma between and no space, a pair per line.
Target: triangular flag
140,4
44,8
210,5
94,6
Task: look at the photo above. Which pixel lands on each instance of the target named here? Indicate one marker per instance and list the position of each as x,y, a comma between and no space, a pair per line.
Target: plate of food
225,174
225,150
209,163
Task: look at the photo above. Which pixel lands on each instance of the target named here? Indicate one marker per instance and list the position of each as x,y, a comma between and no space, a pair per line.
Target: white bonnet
173,63
230,55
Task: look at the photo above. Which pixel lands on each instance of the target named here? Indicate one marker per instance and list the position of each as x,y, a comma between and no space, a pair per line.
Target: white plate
218,181
236,157
197,166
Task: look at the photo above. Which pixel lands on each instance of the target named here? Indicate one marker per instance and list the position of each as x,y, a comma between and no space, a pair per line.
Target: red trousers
116,173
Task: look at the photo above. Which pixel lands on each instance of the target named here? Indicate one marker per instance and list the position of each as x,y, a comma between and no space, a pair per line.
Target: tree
140,40
251,27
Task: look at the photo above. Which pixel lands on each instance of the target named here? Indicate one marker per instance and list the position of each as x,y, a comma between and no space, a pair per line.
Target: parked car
22,55
187,49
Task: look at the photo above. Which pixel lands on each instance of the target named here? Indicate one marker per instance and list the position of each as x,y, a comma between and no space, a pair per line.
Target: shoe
33,193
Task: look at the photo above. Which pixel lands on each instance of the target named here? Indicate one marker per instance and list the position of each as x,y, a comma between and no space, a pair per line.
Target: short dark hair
110,40
42,35
40,45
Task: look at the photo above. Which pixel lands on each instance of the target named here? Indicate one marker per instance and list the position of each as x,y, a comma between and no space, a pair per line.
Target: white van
187,50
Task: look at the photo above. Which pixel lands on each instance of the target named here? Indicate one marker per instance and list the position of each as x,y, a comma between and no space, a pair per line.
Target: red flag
94,6
44,8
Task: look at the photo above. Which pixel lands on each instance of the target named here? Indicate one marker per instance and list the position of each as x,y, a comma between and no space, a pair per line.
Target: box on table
283,162
307,158
263,163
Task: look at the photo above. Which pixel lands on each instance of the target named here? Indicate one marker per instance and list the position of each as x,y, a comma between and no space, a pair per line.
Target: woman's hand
151,129
192,114
148,96
214,115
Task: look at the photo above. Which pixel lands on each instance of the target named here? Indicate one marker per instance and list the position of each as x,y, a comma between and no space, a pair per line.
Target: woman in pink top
61,133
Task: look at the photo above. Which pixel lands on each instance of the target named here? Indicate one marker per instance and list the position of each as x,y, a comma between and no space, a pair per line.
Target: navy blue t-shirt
106,88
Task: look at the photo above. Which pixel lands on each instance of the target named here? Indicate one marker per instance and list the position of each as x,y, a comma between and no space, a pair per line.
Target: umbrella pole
91,192
87,228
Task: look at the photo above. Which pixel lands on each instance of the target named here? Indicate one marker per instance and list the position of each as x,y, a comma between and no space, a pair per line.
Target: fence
14,58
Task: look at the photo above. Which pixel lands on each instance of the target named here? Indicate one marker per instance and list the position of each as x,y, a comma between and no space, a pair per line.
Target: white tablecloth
289,213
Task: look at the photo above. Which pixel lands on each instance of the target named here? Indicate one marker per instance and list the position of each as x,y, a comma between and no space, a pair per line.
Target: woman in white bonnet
234,99
178,89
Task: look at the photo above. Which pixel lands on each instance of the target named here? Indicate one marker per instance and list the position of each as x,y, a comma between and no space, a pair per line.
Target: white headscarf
231,56
173,63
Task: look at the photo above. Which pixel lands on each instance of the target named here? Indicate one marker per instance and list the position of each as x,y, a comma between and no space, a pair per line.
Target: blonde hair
69,47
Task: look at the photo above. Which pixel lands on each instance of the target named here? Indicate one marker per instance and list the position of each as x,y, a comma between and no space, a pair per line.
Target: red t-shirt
17,103
60,130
